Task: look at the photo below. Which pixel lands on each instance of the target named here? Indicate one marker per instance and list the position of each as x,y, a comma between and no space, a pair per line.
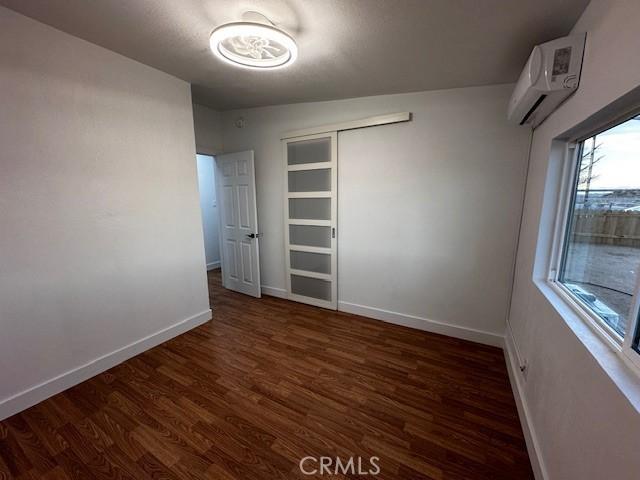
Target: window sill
607,355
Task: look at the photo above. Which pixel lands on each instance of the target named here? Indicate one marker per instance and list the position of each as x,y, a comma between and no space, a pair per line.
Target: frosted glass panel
311,262
310,236
311,287
309,151
310,180
310,208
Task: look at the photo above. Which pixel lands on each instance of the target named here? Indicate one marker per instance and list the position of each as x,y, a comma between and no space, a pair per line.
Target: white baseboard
274,291
425,324
213,265
37,393
515,377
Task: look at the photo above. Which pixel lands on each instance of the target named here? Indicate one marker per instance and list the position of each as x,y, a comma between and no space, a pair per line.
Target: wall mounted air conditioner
551,74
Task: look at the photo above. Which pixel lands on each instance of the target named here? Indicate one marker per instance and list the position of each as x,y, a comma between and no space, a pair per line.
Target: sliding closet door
310,219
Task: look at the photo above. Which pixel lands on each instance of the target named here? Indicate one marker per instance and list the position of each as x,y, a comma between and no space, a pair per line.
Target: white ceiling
348,48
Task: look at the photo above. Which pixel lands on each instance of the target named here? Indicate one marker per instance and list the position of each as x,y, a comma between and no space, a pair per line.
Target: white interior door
311,219
239,237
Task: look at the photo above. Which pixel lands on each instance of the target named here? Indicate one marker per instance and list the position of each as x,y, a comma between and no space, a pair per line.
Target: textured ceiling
348,48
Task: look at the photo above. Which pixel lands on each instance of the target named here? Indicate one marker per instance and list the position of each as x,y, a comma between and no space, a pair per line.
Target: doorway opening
209,209
226,185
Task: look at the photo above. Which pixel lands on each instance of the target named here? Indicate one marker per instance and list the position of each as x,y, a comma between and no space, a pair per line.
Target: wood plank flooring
269,382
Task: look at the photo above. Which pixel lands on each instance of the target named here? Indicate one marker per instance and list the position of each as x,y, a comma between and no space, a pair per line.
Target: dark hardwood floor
269,382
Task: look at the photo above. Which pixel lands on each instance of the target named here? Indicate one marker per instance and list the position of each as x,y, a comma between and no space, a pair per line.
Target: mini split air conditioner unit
551,74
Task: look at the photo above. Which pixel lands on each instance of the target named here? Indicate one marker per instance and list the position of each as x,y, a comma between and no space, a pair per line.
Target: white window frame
572,154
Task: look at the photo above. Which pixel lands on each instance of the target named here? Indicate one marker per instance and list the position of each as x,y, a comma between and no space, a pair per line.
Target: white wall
209,208
208,129
428,210
100,231
585,426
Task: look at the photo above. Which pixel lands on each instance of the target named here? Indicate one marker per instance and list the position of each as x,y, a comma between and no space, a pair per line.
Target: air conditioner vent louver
532,109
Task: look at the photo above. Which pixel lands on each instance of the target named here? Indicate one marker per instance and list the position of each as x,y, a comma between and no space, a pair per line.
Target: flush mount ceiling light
253,45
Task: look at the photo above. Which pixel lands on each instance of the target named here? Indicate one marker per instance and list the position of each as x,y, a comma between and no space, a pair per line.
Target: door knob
254,235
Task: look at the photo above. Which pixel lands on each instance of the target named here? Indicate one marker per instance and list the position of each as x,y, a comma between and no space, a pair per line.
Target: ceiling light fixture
253,45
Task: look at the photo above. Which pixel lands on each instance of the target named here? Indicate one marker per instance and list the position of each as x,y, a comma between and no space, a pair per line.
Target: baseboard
36,394
274,291
425,324
533,446
213,265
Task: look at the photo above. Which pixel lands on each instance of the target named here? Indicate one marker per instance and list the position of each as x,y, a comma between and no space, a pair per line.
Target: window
600,256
